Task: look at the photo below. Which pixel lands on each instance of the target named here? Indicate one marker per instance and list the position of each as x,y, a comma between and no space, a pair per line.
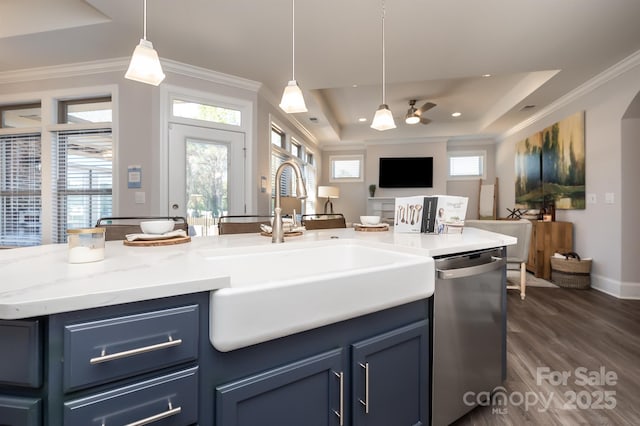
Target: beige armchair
518,254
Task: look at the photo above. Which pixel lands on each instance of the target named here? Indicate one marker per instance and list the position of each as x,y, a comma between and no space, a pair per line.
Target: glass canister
86,245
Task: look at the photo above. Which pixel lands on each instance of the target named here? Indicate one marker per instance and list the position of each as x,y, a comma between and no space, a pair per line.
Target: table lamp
328,192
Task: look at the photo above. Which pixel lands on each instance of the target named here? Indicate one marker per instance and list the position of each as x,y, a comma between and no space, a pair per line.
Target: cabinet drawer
106,350
171,400
19,411
22,365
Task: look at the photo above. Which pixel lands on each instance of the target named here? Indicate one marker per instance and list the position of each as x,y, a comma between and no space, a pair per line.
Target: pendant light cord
383,57
144,19
293,39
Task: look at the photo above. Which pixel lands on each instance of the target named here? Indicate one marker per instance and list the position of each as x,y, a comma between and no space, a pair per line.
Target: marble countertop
38,280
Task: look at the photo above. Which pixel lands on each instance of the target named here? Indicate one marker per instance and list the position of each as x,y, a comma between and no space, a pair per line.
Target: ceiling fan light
412,117
383,119
292,100
145,65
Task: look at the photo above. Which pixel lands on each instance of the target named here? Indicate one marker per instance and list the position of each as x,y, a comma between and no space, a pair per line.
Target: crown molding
120,65
63,71
606,76
208,75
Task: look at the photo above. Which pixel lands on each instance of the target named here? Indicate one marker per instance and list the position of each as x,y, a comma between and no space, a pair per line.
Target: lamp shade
292,99
145,65
383,119
328,192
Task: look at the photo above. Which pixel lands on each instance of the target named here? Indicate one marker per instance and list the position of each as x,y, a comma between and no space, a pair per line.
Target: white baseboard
619,289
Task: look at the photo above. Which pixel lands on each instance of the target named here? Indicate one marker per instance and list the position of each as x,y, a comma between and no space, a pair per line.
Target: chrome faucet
277,231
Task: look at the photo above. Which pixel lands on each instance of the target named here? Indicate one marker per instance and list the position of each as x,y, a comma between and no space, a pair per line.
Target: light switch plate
609,197
591,198
140,197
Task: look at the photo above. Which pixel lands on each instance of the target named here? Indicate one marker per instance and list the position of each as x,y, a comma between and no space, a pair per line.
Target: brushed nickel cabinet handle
152,419
366,387
124,354
340,414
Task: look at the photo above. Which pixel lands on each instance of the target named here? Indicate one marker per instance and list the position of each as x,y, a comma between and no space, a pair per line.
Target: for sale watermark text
580,396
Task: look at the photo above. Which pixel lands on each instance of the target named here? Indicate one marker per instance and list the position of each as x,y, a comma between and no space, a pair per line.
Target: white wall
353,196
598,228
470,188
630,200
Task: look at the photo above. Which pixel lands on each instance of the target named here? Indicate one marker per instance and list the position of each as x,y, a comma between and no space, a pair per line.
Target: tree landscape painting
550,166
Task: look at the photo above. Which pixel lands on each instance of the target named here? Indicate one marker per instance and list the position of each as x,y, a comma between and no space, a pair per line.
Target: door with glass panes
206,175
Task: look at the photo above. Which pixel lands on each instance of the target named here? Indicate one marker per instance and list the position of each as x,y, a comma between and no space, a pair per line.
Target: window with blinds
286,182
83,181
283,148
20,190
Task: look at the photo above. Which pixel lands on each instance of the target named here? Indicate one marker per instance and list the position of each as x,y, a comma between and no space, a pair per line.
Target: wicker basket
571,271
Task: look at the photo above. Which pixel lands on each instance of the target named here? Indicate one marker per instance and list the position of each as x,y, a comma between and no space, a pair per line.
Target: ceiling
436,50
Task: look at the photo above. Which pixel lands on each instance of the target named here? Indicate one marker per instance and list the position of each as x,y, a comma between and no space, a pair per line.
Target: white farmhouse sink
283,289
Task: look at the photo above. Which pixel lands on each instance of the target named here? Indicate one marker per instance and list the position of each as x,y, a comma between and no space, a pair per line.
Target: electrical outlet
591,198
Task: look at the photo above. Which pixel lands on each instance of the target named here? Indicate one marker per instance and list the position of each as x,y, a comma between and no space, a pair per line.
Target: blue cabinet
152,360
386,383
19,411
390,384
307,392
22,365
171,398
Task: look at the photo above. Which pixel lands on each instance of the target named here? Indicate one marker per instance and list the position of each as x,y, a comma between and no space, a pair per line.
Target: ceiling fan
414,115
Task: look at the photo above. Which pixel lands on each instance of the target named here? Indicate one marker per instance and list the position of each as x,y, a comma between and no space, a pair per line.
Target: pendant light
145,65
383,119
292,100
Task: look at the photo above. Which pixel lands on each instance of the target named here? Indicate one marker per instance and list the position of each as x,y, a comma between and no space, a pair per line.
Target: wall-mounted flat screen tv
406,172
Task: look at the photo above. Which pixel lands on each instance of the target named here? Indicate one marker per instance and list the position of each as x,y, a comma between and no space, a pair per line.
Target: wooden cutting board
154,243
371,228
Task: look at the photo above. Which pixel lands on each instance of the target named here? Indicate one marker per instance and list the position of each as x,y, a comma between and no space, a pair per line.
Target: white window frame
285,153
49,102
246,107
458,154
337,179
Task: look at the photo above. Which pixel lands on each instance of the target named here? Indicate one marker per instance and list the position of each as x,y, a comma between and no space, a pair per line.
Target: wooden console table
546,239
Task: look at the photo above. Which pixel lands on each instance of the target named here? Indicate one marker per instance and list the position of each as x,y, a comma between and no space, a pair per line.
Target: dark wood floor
563,330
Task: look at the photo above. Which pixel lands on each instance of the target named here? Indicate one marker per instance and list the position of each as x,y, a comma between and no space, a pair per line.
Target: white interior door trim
248,126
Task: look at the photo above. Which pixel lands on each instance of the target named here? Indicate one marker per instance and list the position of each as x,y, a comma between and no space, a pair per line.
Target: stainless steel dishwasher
469,331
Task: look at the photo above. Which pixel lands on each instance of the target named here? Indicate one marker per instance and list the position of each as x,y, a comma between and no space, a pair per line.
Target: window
346,168
84,179
283,148
81,111
78,165
20,116
467,165
204,112
20,190
296,149
277,137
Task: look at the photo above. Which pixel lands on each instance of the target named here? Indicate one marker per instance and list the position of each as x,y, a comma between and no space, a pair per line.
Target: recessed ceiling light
456,114
362,119
486,75
354,85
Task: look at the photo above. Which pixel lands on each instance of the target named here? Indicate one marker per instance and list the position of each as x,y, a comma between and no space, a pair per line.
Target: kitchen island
94,339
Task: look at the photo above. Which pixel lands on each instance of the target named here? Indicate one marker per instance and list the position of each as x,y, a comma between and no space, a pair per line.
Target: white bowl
369,220
157,226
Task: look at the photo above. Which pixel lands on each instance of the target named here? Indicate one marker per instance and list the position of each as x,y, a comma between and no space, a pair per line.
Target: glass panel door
206,175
